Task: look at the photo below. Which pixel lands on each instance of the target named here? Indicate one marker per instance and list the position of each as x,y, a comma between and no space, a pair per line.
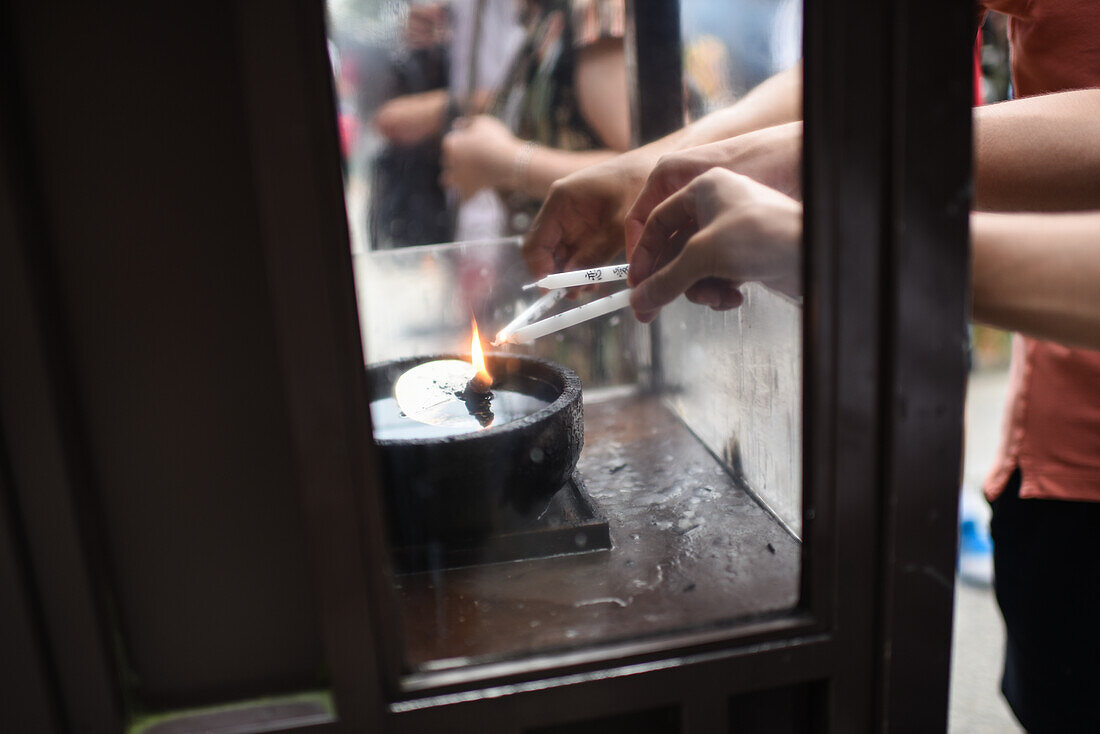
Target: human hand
427,25
411,118
478,153
717,232
772,156
580,224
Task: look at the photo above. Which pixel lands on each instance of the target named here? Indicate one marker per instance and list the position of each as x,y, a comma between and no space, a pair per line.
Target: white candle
565,319
534,311
581,277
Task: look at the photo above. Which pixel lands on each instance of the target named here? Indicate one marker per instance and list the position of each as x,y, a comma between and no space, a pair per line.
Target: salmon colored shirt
1052,420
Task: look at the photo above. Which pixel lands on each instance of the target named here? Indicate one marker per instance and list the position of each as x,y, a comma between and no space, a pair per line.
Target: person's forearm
543,166
772,102
1038,274
600,81
1039,153
581,222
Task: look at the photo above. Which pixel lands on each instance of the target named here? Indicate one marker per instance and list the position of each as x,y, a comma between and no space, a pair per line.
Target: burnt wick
480,383
479,402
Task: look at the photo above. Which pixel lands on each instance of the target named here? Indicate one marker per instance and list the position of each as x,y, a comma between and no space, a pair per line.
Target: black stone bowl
457,490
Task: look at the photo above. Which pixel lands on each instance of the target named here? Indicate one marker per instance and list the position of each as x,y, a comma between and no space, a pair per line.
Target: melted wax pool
390,423
431,400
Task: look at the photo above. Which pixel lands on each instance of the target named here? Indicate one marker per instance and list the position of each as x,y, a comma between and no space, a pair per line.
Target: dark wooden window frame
886,187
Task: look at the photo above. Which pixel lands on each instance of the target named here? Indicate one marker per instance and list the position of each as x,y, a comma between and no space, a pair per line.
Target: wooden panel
57,616
162,306
647,721
795,709
30,702
699,684
927,337
286,80
846,88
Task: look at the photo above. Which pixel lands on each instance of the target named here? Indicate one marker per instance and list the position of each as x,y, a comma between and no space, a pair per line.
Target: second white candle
572,317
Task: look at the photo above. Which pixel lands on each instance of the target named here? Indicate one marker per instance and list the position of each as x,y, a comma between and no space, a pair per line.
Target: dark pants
1047,569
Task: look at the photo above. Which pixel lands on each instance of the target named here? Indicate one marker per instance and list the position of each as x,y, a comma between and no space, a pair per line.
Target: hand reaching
581,222
720,230
478,153
771,156
428,25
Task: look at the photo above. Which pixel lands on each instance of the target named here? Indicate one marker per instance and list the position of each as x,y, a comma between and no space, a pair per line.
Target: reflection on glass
729,48
456,117
609,481
754,353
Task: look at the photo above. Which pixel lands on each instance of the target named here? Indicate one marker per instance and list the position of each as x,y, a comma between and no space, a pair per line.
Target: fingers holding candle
670,175
717,293
580,222
719,231
770,155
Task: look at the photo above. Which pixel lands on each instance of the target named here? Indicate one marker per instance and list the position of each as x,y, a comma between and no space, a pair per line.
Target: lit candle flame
479,358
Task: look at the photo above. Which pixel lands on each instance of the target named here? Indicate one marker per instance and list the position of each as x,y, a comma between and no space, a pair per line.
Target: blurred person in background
561,106
534,90
407,206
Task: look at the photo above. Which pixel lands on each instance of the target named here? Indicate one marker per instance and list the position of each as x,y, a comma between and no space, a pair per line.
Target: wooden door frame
885,229
886,183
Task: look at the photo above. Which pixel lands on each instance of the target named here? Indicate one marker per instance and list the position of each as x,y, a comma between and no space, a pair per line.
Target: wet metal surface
752,358
690,549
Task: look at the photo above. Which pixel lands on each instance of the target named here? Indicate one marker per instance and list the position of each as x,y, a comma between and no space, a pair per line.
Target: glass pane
752,354
681,506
